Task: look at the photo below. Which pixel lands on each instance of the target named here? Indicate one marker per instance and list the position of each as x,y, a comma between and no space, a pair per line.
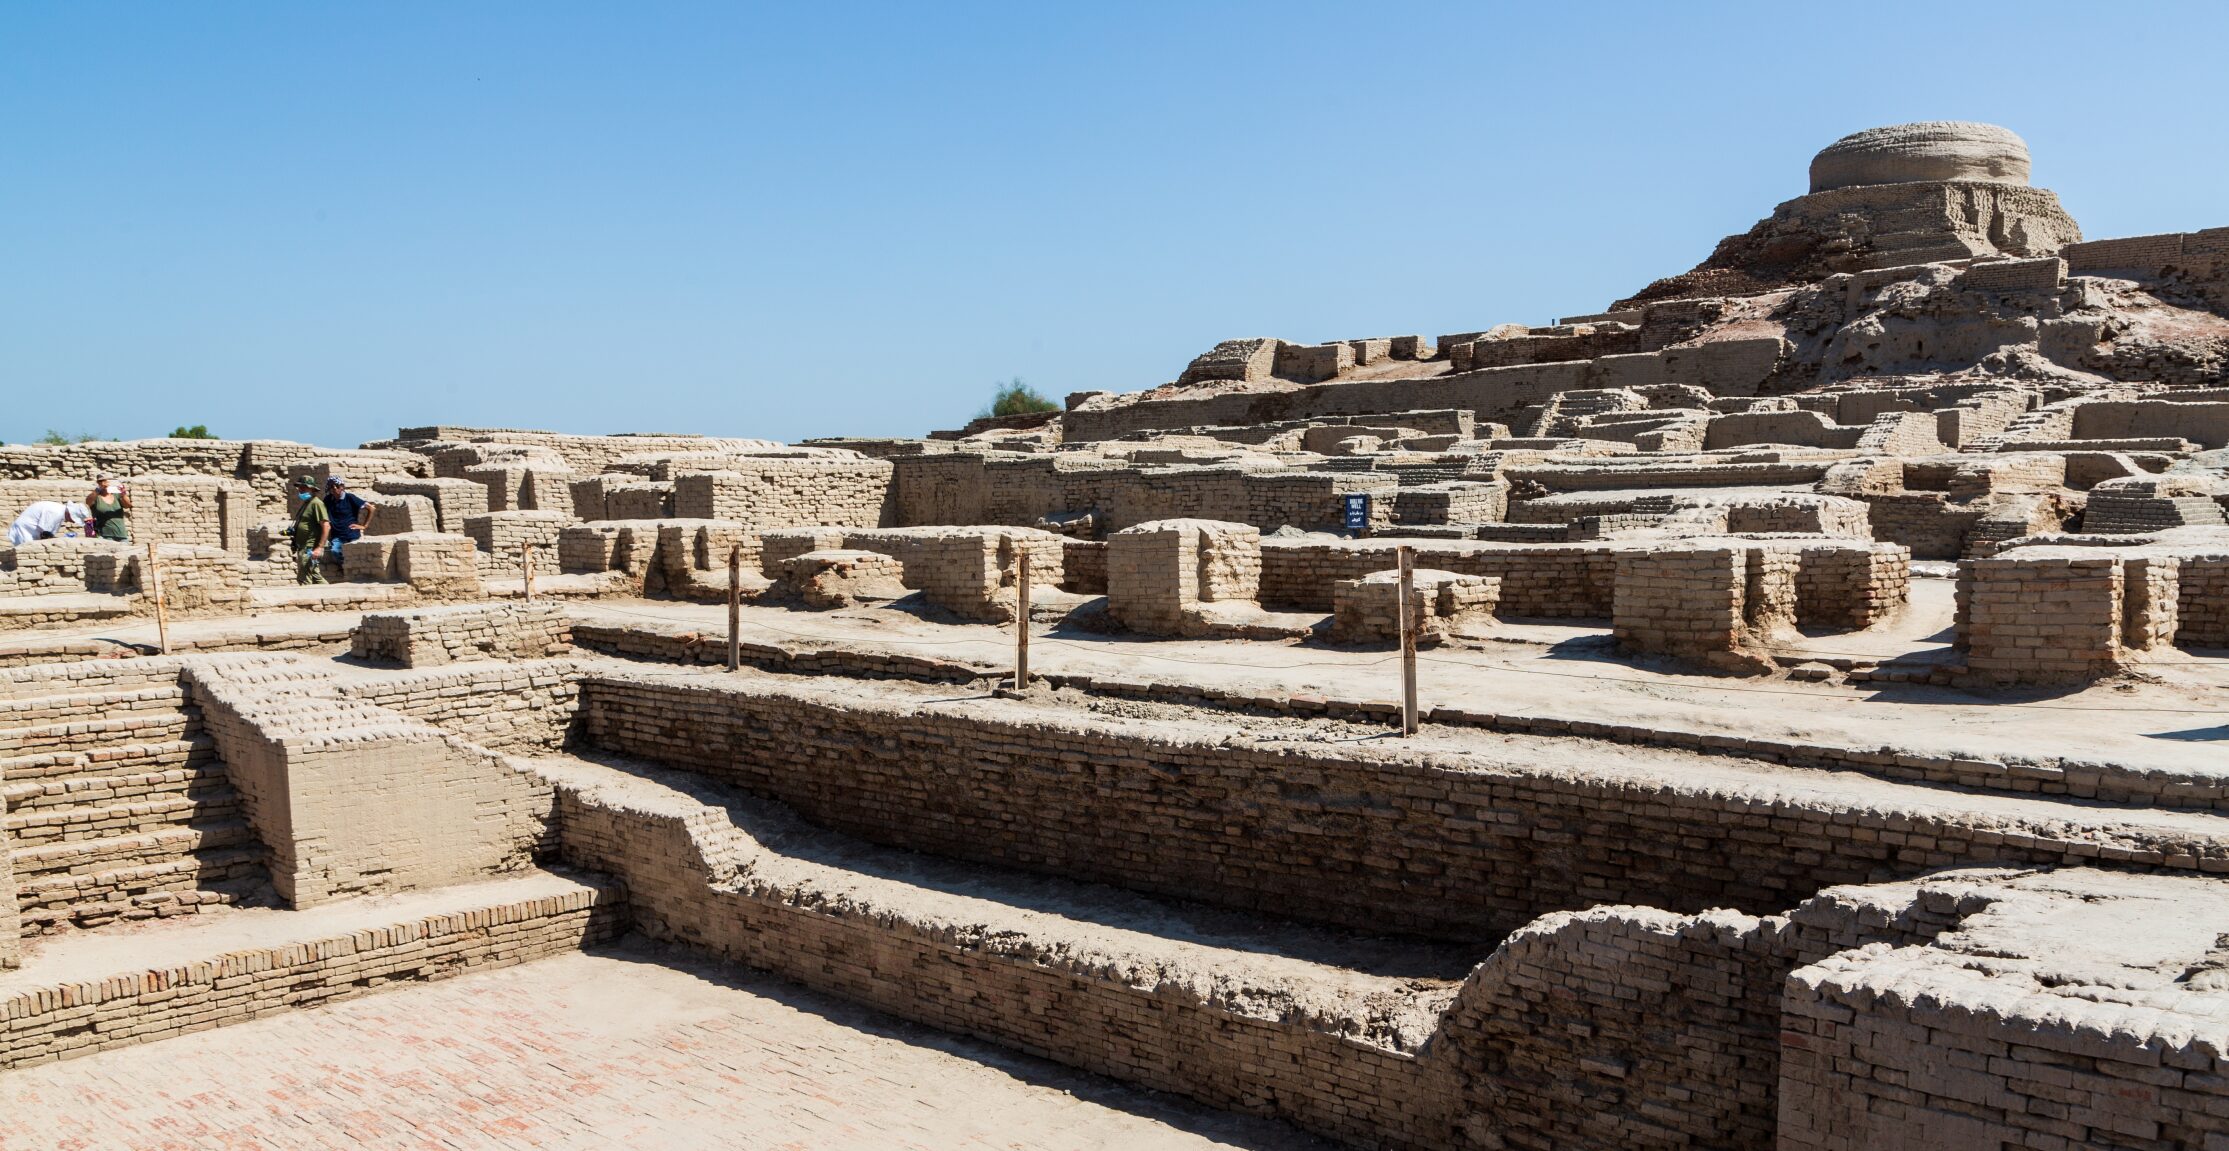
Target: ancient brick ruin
1822,702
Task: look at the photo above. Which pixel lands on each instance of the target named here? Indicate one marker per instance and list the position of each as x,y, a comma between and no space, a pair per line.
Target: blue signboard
1358,513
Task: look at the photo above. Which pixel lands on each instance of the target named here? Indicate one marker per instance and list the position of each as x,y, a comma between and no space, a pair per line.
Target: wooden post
1410,624
1021,624
735,607
162,614
529,573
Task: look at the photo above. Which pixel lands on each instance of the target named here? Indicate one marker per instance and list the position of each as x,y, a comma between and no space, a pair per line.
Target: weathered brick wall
195,580
438,566
1083,566
2042,615
258,980
1159,573
1687,602
54,567
520,708
502,538
782,493
395,514
1451,503
354,799
430,637
1368,610
1851,587
1546,581
1295,831
2204,604
11,928
454,500
1610,1029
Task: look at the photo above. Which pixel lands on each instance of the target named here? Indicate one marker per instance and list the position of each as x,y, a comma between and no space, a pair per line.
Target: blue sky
323,221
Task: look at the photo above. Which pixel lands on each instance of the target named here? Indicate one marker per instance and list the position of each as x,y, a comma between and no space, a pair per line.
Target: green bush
1014,398
196,432
57,438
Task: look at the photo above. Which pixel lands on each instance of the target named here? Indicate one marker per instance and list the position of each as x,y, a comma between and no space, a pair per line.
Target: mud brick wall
1083,567
454,499
1158,572
1608,1029
431,637
195,580
1851,587
1817,515
1454,503
53,567
2203,607
1926,522
11,925
396,514
1685,602
354,799
636,500
2042,616
438,566
947,488
1367,610
255,981
969,571
502,537
783,493
1300,832
521,708
1548,581
1878,1058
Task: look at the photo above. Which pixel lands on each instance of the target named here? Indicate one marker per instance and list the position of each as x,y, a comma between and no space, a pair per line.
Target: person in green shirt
313,526
111,506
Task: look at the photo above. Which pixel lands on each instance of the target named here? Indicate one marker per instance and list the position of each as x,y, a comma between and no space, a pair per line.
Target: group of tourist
321,523
105,512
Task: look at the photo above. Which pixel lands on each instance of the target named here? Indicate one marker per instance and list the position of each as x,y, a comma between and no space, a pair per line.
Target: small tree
196,432
1014,398
57,438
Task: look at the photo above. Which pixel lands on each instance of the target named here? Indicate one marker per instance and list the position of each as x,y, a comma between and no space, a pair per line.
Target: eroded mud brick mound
1935,150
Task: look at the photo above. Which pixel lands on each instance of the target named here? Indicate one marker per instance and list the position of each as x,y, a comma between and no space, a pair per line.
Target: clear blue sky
322,221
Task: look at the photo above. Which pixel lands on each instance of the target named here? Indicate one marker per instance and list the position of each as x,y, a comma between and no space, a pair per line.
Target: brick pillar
2049,618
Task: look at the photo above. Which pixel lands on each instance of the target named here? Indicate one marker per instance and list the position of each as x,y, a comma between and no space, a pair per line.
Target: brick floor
623,1048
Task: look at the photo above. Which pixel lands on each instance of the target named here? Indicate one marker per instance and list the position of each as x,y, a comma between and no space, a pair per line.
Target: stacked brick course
430,637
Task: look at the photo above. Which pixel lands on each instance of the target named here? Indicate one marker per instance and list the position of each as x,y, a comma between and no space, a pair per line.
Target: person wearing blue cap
350,513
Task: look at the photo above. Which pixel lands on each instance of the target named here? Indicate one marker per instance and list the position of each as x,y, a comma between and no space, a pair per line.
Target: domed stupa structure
1919,193
1933,152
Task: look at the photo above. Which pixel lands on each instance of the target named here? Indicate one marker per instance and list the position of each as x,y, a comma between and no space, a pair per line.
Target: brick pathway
617,1049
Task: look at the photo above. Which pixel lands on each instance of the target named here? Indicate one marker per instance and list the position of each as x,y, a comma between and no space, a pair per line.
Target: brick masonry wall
782,493
2204,605
1548,581
502,537
1296,832
354,799
1611,1028
428,637
44,1024
523,708
454,500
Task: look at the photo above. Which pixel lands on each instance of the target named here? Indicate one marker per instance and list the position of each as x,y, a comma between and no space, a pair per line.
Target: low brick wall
518,708
1611,1028
1309,833
43,1025
779,492
428,637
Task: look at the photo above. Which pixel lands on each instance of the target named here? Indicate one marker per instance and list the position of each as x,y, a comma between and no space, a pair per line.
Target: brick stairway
116,806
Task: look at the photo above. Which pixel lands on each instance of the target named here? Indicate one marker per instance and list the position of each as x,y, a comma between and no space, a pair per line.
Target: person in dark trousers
313,528
350,513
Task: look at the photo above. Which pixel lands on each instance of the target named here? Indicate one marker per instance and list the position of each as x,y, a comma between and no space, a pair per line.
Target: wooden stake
162,614
735,607
1021,625
530,573
1409,627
